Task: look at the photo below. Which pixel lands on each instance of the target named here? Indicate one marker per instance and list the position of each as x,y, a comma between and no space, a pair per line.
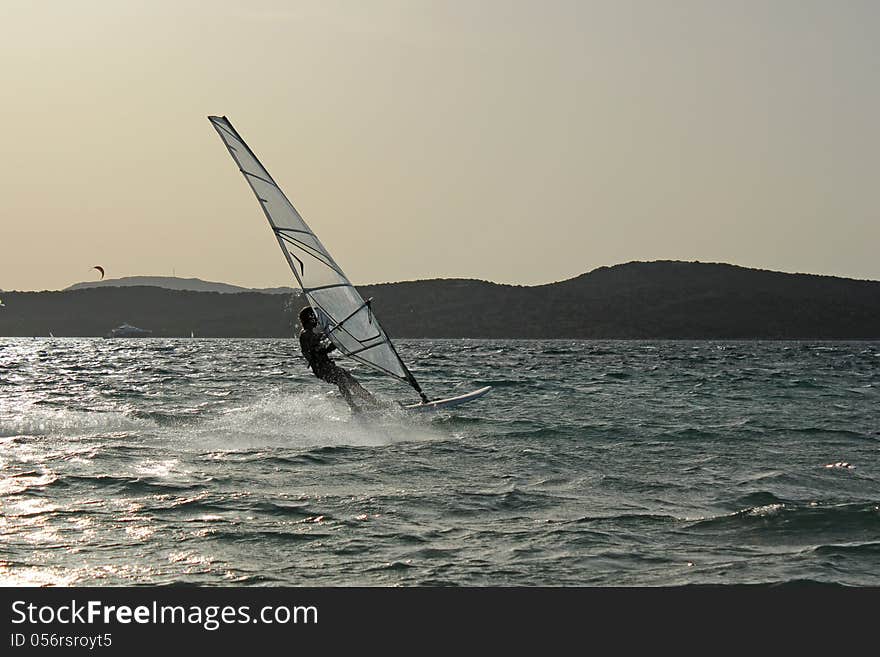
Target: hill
167,313
174,283
638,300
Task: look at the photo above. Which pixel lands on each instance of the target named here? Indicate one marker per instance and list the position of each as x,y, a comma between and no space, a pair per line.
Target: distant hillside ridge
175,283
636,300
163,312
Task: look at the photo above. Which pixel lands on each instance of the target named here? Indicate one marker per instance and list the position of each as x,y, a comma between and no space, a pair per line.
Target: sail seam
310,251
326,287
253,175
371,346
235,137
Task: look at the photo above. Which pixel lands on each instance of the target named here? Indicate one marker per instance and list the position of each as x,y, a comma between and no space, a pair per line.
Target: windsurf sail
346,318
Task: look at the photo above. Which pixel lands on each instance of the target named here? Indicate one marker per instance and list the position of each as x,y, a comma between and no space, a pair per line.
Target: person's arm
318,343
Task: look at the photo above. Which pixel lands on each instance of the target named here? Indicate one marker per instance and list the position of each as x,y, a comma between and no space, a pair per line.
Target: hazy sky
512,141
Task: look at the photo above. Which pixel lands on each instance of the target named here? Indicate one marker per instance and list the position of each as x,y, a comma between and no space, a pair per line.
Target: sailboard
439,404
345,317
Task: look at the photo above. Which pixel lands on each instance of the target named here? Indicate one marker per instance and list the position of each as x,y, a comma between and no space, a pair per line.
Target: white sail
346,318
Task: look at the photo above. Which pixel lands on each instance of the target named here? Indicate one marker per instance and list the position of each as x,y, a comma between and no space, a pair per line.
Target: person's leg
357,389
352,388
338,377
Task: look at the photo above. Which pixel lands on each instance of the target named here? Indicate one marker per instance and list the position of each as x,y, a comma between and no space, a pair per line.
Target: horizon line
106,282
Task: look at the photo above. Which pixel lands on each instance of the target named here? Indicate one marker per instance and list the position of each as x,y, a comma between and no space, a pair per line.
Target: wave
559,351
625,519
218,507
829,431
313,457
543,433
789,519
260,536
121,484
426,358
757,500
198,503
166,373
161,347
809,384
26,481
868,549
516,499
499,383
692,433
288,509
245,580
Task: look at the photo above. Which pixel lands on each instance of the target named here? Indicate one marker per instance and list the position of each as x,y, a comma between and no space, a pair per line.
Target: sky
514,141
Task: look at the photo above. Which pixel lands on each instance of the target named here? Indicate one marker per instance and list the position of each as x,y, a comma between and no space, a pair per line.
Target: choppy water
222,462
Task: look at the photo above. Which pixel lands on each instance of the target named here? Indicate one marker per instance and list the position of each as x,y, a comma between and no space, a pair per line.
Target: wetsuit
315,348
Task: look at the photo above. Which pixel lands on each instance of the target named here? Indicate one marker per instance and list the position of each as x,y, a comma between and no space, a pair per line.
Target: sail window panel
247,162
291,230
241,154
346,342
353,328
312,269
308,242
347,311
283,214
384,357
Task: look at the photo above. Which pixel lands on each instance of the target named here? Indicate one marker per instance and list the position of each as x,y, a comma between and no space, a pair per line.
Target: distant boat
129,331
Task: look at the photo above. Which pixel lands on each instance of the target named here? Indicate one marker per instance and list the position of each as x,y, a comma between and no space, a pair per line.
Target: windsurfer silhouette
315,347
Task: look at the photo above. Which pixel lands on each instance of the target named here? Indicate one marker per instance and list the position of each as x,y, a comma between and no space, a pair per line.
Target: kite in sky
100,269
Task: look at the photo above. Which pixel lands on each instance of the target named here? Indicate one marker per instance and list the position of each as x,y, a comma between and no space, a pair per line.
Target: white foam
37,421
279,419
304,420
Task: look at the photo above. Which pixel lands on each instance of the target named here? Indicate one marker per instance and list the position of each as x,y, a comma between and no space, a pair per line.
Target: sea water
597,463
